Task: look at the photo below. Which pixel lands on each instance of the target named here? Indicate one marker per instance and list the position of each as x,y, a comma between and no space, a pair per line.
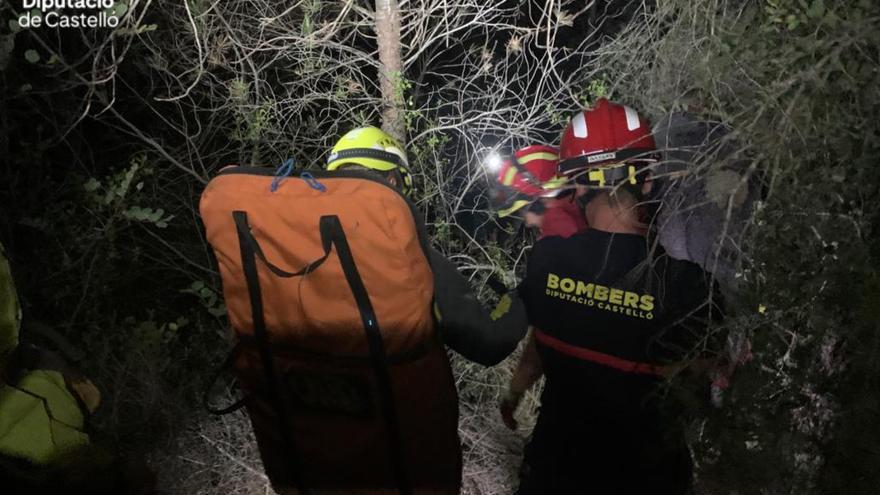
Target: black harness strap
249,266
332,233
255,247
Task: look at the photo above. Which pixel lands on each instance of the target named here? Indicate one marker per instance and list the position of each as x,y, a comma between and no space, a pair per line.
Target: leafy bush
797,81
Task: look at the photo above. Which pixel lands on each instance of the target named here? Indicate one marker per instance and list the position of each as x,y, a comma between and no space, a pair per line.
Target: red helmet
610,137
531,174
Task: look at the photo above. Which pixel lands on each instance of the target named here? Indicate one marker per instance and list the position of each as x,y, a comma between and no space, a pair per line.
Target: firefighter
478,335
612,318
528,185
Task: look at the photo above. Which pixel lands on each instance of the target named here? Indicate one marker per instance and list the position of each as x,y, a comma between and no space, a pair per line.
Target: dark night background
107,140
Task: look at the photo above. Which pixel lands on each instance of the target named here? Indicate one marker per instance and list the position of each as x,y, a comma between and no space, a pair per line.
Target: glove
508,406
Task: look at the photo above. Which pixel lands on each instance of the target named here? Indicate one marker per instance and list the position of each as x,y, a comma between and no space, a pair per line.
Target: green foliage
442,233
143,28
502,264
425,150
208,298
797,81
156,217
401,86
115,195
413,118
117,10
597,88
151,333
790,14
311,9
198,7
251,122
557,117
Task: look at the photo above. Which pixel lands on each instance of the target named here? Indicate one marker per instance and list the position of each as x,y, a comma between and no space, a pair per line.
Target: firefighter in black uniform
611,317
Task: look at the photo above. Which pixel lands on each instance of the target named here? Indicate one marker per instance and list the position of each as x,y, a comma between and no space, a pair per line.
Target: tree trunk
391,72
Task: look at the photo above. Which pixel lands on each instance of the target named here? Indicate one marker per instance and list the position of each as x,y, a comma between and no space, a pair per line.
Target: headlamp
493,162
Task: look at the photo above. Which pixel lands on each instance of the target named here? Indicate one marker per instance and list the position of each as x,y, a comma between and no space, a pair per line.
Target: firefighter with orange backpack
342,312
612,319
480,336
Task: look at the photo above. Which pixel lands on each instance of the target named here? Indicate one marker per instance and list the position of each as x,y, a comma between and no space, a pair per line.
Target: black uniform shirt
606,316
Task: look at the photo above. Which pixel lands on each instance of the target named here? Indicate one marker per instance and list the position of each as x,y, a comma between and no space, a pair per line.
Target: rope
284,170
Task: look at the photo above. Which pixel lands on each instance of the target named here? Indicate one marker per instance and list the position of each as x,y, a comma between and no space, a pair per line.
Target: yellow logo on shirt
605,298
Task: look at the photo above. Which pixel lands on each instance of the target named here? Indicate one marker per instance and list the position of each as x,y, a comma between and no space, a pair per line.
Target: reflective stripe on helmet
632,119
580,125
607,127
530,174
541,155
509,175
372,148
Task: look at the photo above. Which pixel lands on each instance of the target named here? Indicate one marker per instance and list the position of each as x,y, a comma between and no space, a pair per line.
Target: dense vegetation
108,137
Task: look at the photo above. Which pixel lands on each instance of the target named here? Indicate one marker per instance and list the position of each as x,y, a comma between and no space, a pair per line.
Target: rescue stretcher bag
329,290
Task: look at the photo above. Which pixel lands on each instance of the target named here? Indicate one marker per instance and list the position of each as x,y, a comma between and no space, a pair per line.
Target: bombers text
605,298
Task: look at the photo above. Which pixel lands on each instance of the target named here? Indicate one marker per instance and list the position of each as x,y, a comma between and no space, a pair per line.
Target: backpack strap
245,237
332,234
250,250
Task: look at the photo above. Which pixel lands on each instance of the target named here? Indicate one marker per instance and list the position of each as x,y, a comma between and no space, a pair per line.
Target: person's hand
508,407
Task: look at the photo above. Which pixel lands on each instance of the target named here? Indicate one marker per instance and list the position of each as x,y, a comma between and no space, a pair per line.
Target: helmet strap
397,177
635,190
537,207
572,165
584,199
375,154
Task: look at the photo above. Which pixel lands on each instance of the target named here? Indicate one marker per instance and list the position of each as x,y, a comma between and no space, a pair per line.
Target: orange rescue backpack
329,290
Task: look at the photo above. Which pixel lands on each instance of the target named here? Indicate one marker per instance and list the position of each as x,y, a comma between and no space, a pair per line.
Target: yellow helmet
372,148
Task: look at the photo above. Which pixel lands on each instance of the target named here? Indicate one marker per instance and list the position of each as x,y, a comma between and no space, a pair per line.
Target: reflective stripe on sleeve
597,357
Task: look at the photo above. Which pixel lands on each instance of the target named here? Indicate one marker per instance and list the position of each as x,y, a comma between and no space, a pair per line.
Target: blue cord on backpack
283,171
312,181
